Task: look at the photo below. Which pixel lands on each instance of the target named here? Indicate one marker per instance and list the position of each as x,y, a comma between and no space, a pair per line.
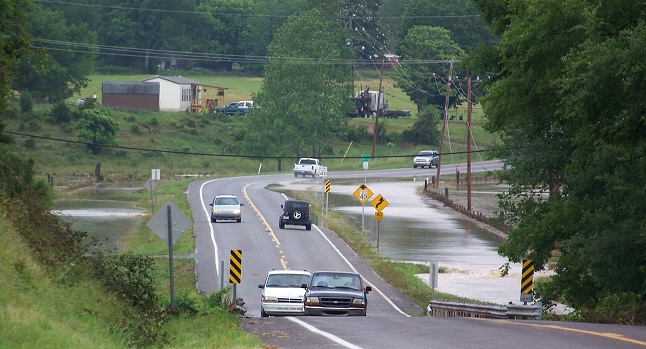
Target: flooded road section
421,230
106,220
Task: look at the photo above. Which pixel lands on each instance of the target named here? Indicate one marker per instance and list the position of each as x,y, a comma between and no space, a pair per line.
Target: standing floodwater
106,220
418,229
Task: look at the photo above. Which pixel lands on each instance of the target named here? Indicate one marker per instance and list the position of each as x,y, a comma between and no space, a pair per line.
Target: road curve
389,323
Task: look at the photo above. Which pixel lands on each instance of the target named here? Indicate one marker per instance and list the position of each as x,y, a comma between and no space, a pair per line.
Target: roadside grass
62,312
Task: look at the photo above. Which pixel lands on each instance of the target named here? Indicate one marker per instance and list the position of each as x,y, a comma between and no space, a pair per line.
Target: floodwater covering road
419,229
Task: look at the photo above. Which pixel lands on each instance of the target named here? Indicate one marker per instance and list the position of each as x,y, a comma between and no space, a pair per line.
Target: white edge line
323,333
355,270
206,213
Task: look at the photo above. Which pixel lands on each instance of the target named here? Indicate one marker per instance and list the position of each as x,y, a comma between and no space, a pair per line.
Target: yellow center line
562,328
264,221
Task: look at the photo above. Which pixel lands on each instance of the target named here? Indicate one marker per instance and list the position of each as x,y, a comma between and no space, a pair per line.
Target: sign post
379,203
328,184
365,159
170,224
526,282
235,271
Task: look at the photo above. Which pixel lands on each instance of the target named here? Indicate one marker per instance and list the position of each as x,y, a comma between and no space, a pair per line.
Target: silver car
226,206
426,158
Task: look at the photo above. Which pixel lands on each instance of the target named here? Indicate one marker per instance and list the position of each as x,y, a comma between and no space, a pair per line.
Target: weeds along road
389,323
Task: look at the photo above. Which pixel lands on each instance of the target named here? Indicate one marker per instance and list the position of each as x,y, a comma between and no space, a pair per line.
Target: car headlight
359,302
312,301
268,299
236,211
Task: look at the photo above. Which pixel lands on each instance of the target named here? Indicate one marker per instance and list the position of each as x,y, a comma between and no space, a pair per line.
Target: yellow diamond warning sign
363,193
379,203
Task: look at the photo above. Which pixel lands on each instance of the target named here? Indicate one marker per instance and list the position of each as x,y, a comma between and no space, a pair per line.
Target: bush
424,131
61,113
26,102
129,277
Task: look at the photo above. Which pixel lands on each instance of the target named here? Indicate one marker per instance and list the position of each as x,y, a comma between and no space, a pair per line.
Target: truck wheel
308,227
295,174
281,225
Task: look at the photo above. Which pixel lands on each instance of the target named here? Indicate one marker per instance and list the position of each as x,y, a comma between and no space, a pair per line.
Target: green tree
460,17
259,29
14,45
425,130
97,128
305,91
61,70
423,82
567,100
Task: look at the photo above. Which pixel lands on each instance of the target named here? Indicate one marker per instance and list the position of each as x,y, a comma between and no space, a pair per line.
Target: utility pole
446,120
352,57
468,141
381,79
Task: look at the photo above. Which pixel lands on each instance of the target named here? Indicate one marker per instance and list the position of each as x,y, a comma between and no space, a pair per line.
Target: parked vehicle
295,213
282,293
367,103
226,206
426,158
307,167
336,293
235,108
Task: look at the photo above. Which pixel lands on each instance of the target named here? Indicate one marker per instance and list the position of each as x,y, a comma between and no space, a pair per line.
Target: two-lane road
387,324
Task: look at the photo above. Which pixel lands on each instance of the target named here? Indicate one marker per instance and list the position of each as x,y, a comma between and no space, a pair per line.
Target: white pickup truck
307,167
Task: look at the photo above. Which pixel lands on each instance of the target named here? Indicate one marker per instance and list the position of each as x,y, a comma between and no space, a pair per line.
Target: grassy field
209,139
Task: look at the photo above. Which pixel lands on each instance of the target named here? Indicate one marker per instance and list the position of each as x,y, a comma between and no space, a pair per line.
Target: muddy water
421,230
106,220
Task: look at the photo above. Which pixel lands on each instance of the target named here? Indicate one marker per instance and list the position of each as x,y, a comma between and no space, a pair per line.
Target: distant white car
282,292
226,206
426,158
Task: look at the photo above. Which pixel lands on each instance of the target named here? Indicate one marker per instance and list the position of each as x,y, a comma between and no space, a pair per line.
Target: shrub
61,113
26,102
66,127
135,129
129,277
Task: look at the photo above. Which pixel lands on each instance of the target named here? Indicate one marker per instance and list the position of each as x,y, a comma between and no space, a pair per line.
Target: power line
162,54
242,14
221,155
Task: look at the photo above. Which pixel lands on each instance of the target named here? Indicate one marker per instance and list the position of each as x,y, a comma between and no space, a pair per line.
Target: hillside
191,144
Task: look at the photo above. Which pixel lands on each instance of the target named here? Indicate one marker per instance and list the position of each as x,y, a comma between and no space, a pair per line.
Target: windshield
287,280
329,280
425,153
226,201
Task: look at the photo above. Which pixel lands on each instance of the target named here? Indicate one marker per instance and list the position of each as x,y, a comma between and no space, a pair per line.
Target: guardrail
510,311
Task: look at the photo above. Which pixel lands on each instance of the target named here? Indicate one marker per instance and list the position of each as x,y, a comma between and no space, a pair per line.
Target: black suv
295,213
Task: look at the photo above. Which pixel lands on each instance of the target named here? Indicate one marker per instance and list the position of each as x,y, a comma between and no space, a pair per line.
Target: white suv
426,158
282,292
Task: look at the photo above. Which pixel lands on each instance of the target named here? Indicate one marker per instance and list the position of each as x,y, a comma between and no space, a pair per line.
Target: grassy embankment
40,308
209,134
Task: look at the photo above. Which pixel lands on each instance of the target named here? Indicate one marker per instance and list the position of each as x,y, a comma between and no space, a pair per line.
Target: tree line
565,94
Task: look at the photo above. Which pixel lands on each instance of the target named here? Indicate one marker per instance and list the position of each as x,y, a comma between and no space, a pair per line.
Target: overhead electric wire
242,14
257,156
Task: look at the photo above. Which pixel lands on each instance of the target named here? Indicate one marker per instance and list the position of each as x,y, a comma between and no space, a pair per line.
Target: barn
163,93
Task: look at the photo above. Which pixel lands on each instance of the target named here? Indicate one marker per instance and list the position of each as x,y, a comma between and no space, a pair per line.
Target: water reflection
419,229
106,220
